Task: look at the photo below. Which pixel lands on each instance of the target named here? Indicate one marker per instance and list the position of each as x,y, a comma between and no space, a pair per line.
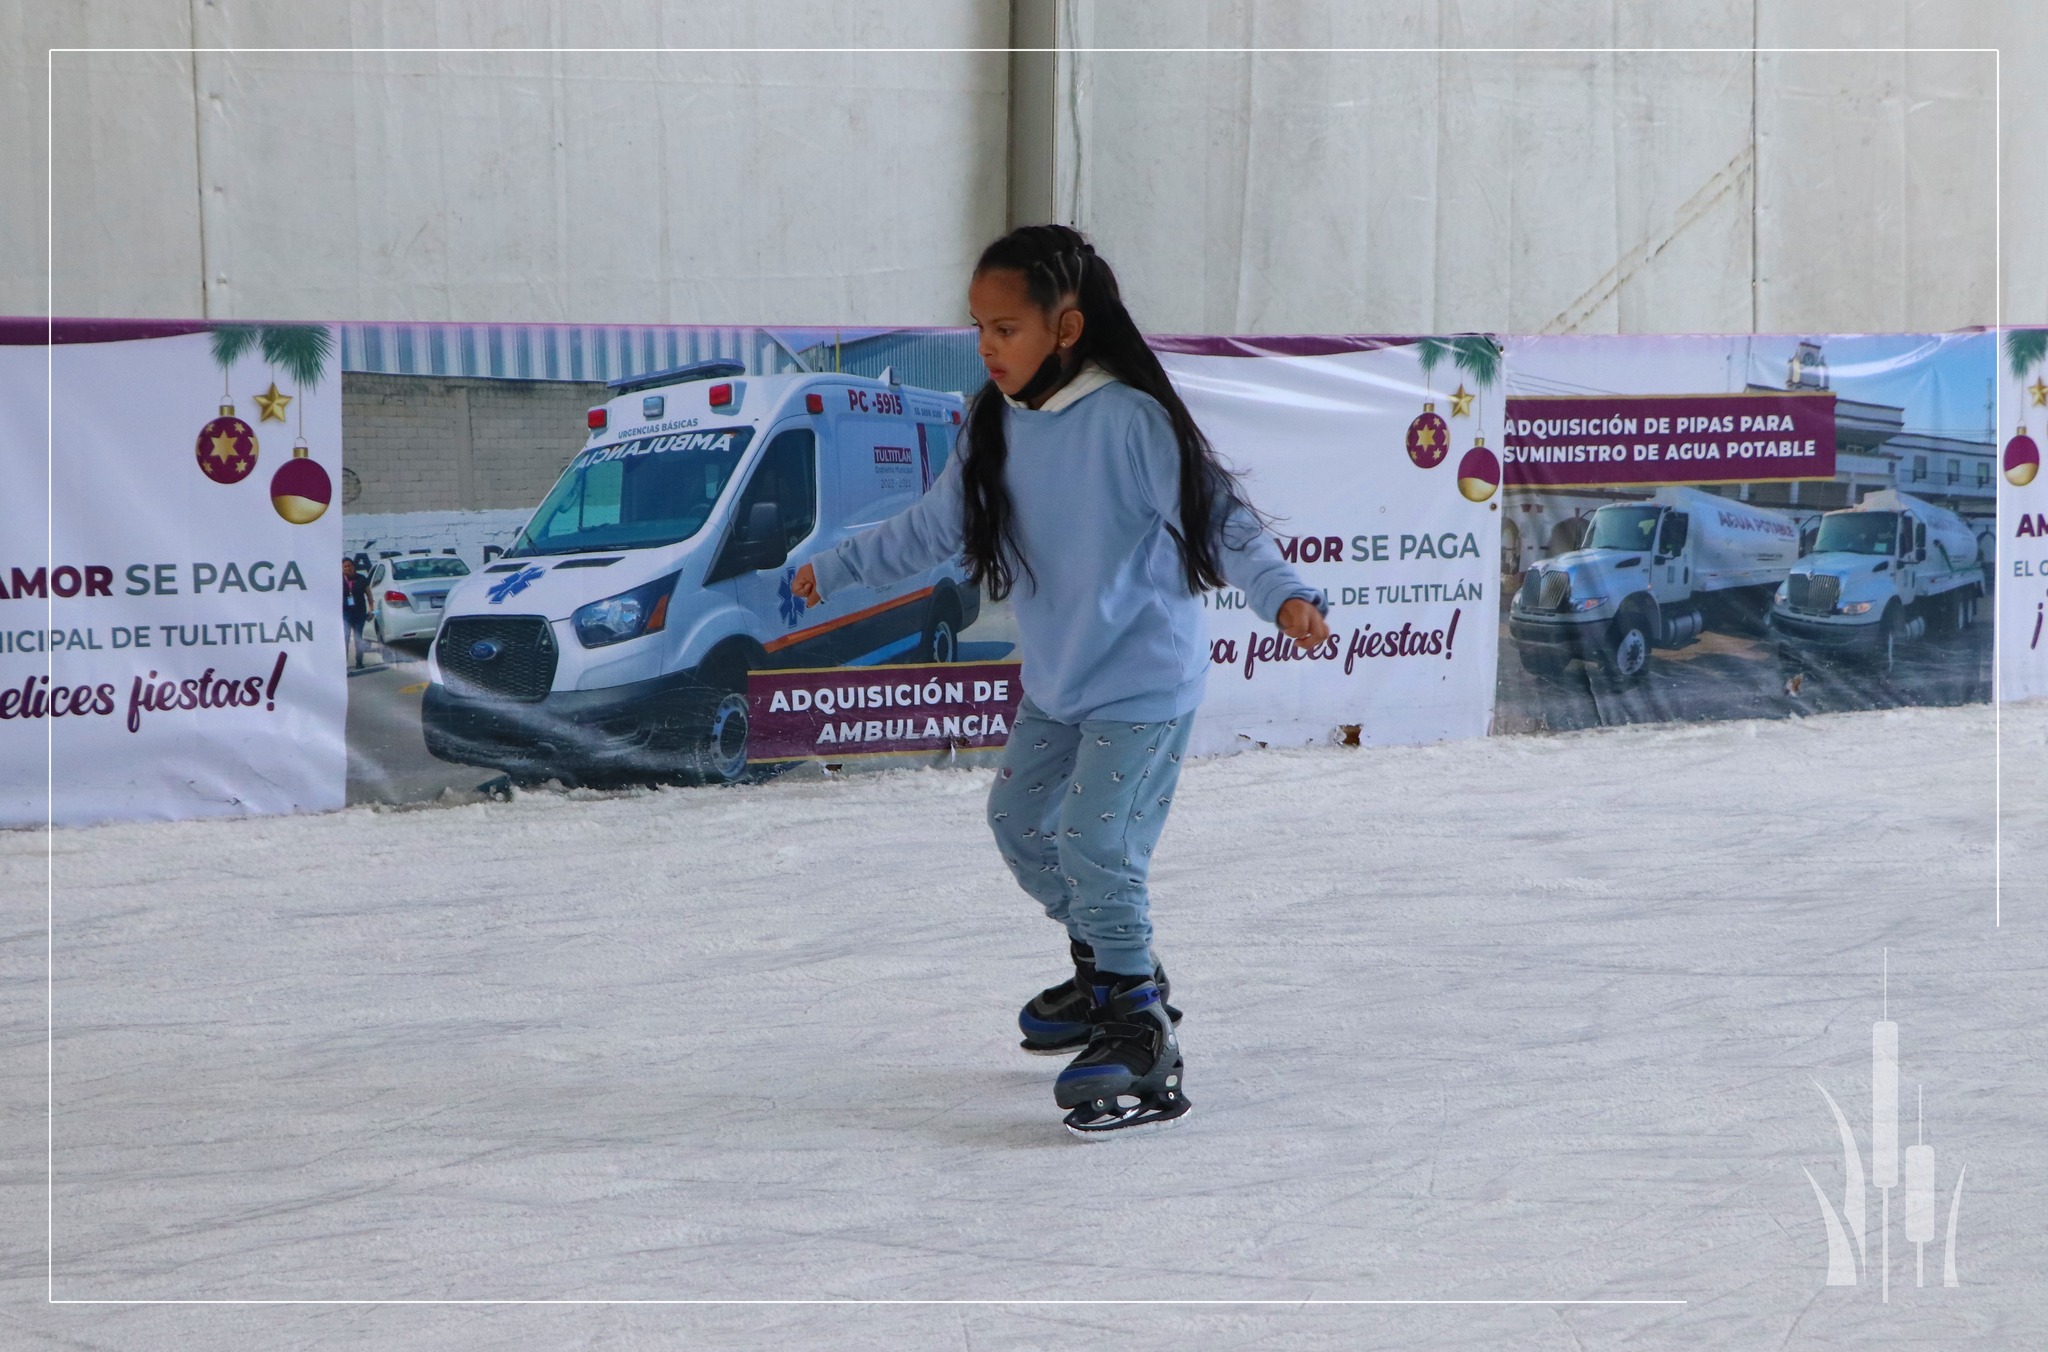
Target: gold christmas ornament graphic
271,404
301,490
1479,472
2022,459
226,449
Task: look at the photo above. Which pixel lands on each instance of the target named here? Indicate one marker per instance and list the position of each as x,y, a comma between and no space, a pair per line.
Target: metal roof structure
570,352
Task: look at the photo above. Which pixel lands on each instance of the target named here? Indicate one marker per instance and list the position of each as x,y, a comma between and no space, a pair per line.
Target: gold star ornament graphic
272,404
1461,402
2039,389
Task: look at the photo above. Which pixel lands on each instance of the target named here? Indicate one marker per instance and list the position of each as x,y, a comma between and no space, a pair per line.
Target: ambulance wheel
720,756
941,641
717,749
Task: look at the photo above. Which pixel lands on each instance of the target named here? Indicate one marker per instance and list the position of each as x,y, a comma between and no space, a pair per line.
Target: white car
618,631
408,595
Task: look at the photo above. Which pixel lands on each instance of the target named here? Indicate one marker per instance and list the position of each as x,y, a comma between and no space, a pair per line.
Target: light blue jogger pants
1076,810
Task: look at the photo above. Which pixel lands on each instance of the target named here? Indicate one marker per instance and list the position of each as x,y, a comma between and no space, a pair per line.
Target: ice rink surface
1523,1019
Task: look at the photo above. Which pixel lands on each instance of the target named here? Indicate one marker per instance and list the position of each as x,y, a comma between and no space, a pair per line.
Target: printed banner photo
174,636
590,581
1738,527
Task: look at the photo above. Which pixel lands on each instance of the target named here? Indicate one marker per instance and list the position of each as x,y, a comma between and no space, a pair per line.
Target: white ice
1522,1019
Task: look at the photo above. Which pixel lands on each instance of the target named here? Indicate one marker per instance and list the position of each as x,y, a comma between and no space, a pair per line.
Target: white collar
1086,381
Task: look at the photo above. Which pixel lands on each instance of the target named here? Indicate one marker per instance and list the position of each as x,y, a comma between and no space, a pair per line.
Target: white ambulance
613,640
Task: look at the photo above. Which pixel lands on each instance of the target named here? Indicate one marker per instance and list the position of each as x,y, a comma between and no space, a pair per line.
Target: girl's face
1017,336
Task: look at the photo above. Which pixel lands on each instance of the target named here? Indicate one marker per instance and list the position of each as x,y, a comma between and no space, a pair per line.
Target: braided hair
1057,264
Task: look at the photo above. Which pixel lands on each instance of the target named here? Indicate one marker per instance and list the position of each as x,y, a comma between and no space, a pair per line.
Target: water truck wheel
1627,656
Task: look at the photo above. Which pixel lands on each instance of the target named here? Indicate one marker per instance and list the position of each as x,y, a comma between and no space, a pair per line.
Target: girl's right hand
1303,623
805,586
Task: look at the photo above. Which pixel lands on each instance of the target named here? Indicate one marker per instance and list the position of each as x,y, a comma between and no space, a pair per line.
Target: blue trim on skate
1048,1029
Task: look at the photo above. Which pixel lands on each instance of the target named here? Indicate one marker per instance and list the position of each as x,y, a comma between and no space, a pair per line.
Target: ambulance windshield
635,494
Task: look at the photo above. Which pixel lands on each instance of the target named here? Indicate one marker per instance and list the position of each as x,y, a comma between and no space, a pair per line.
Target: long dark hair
1056,263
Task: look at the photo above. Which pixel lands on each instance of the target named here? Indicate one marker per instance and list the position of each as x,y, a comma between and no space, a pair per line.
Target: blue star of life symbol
516,583
792,604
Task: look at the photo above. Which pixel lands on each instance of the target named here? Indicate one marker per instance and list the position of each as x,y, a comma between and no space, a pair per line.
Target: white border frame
50,277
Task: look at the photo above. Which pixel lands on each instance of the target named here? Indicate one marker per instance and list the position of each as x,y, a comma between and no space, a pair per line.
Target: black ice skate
1058,1020
1130,1076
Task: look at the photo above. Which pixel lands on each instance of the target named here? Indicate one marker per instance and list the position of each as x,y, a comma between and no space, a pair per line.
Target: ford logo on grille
485,650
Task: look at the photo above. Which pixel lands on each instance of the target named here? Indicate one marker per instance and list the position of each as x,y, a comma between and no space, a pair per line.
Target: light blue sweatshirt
1110,630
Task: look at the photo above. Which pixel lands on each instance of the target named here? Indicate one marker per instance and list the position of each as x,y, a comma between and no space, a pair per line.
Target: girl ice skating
1084,490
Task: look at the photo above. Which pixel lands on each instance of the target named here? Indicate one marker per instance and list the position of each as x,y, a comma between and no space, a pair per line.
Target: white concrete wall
1391,192
835,188
1404,191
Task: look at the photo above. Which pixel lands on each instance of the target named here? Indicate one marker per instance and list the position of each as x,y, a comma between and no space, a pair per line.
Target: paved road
387,758
1732,676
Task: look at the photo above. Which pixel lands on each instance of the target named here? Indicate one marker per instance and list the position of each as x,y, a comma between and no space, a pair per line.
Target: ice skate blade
1071,1049
1127,1127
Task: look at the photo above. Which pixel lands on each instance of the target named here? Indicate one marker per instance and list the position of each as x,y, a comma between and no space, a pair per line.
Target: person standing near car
1082,477
355,606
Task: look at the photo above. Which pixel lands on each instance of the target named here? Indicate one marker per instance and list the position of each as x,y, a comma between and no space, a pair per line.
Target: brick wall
435,443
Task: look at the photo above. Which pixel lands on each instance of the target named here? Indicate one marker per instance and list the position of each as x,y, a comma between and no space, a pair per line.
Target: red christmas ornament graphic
227,448
1429,441
301,490
2022,459
1479,472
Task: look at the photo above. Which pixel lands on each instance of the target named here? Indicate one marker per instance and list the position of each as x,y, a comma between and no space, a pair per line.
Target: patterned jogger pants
1076,810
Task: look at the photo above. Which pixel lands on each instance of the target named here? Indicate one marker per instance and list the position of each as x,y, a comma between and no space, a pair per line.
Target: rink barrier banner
536,601
838,712
1370,458
169,645
2023,515
1773,527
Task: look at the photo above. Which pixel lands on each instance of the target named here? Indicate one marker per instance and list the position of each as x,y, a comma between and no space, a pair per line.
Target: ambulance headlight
1857,608
630,614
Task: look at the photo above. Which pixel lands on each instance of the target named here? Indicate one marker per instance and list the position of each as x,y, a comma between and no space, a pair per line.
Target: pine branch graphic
2024,349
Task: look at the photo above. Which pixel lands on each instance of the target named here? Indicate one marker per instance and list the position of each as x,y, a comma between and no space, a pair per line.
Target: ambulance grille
510,656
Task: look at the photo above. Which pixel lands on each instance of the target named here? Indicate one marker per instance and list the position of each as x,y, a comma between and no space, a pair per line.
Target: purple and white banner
170,606
1371,458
